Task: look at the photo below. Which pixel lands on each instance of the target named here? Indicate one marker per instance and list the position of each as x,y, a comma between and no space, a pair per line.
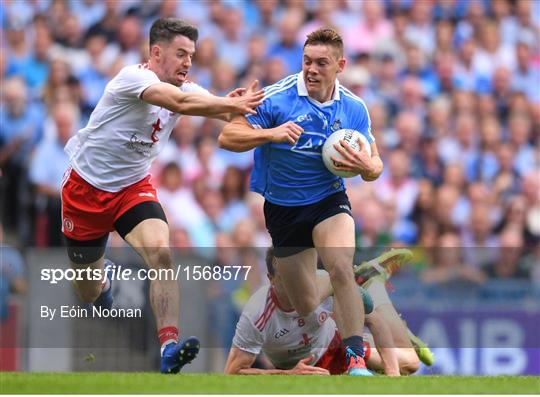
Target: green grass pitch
152,383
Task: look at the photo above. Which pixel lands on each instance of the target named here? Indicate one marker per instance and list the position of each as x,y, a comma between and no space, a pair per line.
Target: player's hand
355,161
237,92
288,132
248,101
303,367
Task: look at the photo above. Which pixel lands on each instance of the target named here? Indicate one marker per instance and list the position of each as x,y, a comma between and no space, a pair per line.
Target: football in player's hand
351,137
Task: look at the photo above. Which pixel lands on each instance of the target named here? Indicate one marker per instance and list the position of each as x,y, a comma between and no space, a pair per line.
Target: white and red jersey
124,134
283,336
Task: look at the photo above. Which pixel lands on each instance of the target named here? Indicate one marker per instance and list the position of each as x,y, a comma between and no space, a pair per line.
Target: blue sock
356,344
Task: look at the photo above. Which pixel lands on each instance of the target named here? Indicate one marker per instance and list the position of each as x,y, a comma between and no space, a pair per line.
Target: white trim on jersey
279,84
281,89
302,90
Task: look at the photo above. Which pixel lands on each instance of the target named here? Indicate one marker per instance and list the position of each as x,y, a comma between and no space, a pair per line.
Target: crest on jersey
336,126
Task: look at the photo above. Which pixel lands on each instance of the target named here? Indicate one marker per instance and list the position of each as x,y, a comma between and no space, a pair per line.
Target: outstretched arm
239,362
198,104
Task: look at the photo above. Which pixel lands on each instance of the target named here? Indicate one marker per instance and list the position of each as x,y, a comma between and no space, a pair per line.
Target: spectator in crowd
448,265
34,68
129,37
203,61
508,262
177,200
479,242
47,175
232,41
288,49
420,28
94,75
18,49
417,66
20,130
398,186
12,280
372,28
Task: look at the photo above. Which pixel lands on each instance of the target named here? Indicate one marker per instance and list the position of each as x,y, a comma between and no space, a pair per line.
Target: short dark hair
327,37
270,260
166,29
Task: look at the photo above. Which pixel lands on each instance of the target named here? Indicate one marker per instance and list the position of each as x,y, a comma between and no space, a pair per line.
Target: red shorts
334,358
89,213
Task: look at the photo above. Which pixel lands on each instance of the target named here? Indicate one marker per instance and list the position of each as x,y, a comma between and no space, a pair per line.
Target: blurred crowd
453,90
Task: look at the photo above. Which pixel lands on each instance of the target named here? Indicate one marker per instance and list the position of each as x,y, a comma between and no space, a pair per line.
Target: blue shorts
291,228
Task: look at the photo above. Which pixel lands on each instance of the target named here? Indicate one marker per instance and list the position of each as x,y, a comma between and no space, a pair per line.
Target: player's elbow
232,370
235,368
223,142
226,142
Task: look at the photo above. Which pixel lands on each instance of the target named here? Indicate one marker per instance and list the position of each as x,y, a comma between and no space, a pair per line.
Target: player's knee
160,257
306,307
340,271
410,365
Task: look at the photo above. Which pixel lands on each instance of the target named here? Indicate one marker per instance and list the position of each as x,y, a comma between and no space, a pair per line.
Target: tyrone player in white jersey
107,186
300,346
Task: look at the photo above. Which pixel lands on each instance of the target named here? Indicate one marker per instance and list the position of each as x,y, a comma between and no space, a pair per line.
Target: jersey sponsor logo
281,332
138,145
310,143
299,350
68,224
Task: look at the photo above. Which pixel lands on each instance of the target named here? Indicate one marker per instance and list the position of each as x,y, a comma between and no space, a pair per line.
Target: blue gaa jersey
295,175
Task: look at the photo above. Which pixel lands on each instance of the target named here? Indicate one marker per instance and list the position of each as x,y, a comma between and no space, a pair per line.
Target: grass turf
152,383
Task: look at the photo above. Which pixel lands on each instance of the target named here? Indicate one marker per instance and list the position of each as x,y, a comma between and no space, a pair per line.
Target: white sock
378,293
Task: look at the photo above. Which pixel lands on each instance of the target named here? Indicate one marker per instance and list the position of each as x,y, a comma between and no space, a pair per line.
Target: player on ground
107,186
306,209
299,346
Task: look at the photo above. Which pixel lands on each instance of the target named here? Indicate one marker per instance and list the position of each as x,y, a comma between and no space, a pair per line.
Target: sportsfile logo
121,273
118,273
